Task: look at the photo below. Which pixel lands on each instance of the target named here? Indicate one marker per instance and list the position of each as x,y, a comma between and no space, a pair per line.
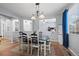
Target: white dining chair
46,45
24,43
34,44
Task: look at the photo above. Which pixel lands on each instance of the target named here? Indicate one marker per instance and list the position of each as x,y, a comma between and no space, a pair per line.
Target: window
16,25
27,24
74,25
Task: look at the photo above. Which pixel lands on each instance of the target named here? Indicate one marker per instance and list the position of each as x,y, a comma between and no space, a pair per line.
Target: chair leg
28,48
38,51
31,47
31,50
49,48
45,49
41,48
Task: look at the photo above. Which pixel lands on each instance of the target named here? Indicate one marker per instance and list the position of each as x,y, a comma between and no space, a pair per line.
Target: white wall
43,27
36,25
5,27
59,28
73,38
74,43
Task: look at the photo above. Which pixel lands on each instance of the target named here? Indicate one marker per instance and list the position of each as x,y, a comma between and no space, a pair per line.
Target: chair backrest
25,40
23,36
40,35
34,38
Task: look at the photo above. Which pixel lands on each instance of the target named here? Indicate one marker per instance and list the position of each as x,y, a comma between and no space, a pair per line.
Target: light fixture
38,14
33,17
41,16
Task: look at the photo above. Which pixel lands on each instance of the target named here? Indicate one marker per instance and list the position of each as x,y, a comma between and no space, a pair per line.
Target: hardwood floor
60,50
12,49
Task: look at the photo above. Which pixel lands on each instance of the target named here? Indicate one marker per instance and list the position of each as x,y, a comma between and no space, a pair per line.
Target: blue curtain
65,29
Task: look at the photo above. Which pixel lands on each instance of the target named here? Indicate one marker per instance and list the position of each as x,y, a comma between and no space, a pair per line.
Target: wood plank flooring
12,49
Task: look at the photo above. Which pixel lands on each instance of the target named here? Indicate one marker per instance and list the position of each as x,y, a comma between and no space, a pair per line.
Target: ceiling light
33,17
42,16
37,14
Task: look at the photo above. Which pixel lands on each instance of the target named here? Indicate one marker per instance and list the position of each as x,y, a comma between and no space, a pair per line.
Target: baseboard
74,54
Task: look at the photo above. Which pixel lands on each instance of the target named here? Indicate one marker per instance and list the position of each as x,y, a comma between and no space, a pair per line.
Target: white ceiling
25,10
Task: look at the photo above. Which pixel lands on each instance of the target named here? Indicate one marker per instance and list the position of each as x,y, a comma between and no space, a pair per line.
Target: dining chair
34,43
24,42
45,45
